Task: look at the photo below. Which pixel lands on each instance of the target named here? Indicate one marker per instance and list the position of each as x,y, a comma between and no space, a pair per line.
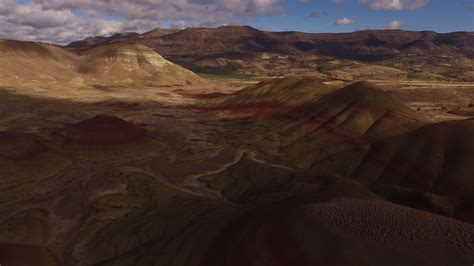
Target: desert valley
236,146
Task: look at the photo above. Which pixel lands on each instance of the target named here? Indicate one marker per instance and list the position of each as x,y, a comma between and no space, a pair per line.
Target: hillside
245,49
302,121
287,171
132,63
356,132
28,64
33,64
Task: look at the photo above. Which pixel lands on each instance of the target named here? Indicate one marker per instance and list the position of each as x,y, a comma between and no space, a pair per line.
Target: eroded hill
40,65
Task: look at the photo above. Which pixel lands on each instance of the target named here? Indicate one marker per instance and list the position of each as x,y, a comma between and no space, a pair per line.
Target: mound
24,162
32,49
433,158
129,63
361,108
303,121
106,137
342,232
437,159
34,64
270,98
286,91
357,114
26,64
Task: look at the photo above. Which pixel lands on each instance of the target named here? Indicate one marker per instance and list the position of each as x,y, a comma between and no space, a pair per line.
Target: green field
226,76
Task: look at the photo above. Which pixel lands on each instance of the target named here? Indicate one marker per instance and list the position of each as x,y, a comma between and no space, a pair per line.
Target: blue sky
63,21
437,15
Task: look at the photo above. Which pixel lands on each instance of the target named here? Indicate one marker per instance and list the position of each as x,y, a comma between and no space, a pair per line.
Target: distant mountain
245,49
93,41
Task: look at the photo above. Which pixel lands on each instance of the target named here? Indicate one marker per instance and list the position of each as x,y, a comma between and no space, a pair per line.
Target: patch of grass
226,76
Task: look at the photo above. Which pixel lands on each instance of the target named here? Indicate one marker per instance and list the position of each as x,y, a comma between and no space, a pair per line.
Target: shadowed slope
106,137
26,162
341,232
249,180
137,211
147,223
354,111
11,254
326,121
435,157
361,132
429,168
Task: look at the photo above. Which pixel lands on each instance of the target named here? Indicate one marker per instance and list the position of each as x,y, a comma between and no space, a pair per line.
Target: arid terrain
333,152
369,54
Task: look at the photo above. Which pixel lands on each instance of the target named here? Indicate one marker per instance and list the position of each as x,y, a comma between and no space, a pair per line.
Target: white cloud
394,25
33,15
395,4
6,6
345,21
258,7
62,21
178,25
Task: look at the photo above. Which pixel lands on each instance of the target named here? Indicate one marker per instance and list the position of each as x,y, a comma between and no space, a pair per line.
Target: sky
64,21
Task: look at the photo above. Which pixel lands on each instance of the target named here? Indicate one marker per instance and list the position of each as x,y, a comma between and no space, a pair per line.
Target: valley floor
179,176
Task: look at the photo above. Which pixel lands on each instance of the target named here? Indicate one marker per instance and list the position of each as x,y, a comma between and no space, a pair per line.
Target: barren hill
36,64
106,137
318,121
356,132
435,157
240,49
134,64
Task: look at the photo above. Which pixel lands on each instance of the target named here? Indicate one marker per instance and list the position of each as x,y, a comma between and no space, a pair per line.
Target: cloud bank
63,21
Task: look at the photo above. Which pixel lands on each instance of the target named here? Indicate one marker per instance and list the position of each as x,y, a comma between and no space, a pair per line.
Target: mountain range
243,49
